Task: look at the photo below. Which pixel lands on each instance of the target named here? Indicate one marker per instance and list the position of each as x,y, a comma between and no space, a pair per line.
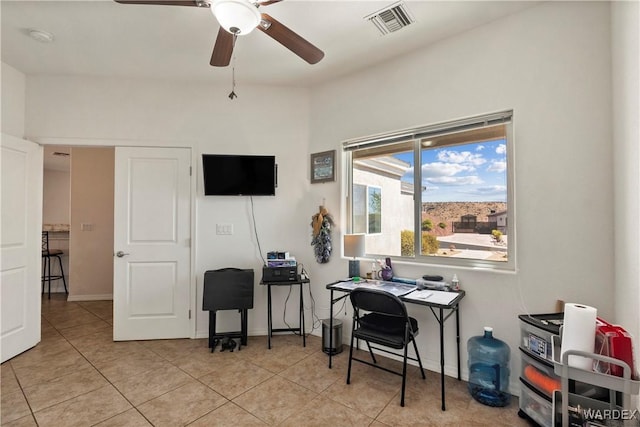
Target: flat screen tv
239,175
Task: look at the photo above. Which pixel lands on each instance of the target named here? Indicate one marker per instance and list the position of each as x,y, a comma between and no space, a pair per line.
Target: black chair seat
52,252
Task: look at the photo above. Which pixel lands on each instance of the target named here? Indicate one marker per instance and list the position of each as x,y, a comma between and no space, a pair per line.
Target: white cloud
456,180
465,157
497,166
437,169
408,175
501,149
480,148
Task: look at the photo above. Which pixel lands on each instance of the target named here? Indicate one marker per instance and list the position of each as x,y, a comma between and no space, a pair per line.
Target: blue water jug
489,369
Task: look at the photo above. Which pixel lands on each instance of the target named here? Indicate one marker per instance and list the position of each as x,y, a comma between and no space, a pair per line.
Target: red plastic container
614,341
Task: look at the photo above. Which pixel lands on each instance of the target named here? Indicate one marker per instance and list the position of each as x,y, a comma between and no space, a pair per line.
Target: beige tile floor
77,376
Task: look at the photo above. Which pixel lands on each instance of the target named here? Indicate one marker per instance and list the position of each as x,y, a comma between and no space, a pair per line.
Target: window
457,201
367,209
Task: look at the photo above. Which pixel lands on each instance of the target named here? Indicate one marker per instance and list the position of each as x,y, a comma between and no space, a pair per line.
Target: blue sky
463,173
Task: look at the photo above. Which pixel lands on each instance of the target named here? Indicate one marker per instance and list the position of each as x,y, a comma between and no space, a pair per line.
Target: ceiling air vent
391,18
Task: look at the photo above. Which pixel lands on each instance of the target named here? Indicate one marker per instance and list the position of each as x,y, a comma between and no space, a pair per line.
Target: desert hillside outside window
455,208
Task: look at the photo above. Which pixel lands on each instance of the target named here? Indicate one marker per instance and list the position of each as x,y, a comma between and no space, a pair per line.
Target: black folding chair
381,318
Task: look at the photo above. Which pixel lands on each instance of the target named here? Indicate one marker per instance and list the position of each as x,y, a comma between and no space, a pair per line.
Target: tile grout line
195,378
99,372
33,416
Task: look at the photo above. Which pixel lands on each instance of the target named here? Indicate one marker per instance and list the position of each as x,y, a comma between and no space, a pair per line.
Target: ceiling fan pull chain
233,72
233,83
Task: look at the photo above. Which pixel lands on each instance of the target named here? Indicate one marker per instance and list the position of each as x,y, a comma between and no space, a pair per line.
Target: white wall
92,202
13,100
626,136
551,65
101,111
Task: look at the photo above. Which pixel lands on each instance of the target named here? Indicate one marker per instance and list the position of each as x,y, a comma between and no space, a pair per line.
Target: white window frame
417,135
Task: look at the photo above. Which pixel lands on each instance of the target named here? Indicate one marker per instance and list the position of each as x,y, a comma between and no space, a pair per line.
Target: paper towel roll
579,333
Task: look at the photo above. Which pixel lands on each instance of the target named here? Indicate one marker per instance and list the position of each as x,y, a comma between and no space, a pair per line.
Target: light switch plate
224,229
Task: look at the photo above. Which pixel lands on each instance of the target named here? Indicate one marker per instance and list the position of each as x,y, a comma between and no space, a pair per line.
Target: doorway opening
78,213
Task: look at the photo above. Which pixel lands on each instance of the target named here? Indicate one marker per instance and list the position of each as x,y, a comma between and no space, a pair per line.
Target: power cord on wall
255,231
284,312
316,323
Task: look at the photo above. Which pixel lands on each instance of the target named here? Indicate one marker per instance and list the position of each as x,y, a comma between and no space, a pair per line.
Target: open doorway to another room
56,191
78,212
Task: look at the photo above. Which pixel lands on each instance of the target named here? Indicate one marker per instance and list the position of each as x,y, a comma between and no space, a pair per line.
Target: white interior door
152,248
20,245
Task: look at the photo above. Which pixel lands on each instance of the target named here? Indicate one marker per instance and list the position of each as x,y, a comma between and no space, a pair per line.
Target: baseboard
451,370
98,297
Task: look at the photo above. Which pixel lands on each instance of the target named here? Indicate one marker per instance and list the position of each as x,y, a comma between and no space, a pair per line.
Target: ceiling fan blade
195,3
291,40
268,2
223,49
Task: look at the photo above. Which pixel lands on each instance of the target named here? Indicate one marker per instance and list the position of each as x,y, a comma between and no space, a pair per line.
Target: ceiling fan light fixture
238,17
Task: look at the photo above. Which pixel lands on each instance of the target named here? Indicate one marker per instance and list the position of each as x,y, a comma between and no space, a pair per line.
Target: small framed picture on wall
323,167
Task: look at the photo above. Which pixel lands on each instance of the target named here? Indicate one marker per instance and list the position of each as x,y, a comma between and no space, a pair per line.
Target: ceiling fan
238,18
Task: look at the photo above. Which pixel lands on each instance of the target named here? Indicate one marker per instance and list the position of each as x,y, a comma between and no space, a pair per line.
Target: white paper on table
397,289
434,297
347,285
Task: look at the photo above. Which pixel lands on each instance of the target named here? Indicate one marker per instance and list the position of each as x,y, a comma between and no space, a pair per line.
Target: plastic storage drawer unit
536,331
538,374
537,407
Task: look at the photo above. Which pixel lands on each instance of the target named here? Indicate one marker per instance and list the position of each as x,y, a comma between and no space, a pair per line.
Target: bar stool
47,254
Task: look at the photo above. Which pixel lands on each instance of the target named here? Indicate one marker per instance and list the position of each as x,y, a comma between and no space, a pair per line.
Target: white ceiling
104,38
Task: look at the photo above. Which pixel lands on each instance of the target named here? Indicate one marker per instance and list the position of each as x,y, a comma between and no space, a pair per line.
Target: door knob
120,254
